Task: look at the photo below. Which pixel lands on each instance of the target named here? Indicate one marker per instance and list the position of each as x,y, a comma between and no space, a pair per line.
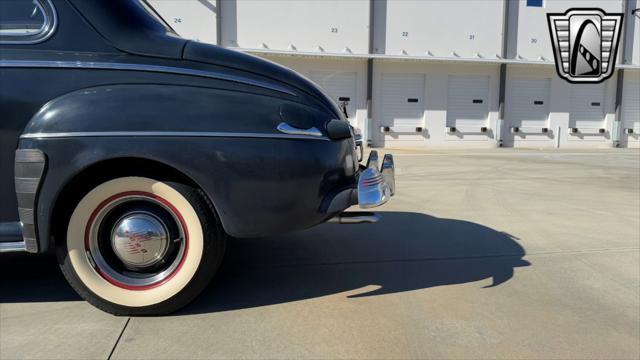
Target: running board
6,247
355,217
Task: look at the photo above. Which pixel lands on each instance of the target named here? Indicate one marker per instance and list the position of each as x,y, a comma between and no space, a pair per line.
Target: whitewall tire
138,246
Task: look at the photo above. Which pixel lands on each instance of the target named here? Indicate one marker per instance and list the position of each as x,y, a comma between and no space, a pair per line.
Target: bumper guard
377,183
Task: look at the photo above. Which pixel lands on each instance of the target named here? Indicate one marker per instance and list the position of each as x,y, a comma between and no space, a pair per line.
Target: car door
23,24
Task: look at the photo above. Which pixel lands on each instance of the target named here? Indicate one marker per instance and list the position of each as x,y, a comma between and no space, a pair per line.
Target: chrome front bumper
376,184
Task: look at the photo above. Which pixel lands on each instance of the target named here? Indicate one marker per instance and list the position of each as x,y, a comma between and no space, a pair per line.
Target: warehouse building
436,73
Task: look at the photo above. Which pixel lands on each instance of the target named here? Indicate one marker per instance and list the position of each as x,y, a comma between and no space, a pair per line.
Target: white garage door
529,102
402,100
587,106
341,86
468,101
630,113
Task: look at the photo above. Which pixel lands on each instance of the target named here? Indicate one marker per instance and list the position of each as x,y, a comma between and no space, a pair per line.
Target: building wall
411,25
630,109
633,21
192,19
435,65
533,41
331,26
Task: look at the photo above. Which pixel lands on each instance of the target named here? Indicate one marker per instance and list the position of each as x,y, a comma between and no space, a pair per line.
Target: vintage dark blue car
133,153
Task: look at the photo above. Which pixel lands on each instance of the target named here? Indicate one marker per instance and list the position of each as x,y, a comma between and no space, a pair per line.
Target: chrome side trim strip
171,134
141,67
355,217
29,168
29,157
26,185
13,247
291,130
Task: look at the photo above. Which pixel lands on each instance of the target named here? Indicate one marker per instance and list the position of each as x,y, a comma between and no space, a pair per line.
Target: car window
151,10
25,20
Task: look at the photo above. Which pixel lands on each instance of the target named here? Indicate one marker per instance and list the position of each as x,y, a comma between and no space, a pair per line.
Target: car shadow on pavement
32,278
404,251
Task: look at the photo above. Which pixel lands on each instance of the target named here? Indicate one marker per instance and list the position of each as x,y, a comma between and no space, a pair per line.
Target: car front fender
261,182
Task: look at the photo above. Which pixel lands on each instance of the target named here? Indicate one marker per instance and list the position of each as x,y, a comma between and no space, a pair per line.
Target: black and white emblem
585,44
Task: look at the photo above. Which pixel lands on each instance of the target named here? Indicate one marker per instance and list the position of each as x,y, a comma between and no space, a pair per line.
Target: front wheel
138,246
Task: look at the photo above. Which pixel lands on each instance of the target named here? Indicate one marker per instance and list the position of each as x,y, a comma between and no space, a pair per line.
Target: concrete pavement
484,254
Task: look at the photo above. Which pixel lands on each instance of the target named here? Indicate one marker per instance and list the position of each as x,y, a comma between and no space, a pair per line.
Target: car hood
215,55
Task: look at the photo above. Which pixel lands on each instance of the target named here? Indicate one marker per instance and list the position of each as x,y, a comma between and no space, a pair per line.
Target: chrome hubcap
136,241
139,240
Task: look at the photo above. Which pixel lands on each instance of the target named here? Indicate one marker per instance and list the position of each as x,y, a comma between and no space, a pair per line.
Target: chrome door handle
292,130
